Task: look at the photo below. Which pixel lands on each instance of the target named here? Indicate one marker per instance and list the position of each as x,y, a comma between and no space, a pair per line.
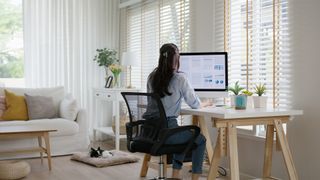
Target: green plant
236,89
105,57
260,89
247,92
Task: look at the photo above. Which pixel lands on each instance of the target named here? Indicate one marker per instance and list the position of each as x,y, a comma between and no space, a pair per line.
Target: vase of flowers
116,70
106,57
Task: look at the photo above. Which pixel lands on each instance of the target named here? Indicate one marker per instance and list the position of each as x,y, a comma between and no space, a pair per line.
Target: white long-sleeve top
181,90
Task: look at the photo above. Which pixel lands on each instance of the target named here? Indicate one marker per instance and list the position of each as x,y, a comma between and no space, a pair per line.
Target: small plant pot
240,102
260,101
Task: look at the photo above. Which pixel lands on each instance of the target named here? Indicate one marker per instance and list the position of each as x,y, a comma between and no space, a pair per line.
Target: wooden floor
65,169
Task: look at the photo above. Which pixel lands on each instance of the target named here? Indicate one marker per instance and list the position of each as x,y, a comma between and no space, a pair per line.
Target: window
255,34
150,24
11,43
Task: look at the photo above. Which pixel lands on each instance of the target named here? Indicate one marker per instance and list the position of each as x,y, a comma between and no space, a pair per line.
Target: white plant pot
260,101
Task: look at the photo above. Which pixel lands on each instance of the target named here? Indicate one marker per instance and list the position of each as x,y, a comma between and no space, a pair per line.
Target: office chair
148,130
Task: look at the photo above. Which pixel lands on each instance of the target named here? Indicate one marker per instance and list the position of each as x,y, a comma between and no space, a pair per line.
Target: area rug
119,157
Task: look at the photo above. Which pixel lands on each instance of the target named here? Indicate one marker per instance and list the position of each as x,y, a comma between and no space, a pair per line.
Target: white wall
303,131
202,23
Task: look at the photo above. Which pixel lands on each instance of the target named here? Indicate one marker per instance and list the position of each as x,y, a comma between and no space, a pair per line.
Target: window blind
150,24
255,33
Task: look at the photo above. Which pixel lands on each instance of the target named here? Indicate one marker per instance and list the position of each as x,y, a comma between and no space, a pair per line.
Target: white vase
260,101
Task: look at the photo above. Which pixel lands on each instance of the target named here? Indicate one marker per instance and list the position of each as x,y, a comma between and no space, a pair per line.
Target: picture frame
108,82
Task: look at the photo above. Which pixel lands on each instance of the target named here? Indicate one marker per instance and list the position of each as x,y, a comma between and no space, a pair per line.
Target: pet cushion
118,157
2,105
40,107
69,108
16,107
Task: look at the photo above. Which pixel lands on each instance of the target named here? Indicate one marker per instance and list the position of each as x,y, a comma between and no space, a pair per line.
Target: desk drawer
107,96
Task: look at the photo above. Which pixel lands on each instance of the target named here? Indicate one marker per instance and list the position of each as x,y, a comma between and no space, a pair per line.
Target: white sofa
70,136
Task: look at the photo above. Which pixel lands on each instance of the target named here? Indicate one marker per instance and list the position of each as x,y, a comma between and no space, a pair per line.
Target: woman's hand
206,103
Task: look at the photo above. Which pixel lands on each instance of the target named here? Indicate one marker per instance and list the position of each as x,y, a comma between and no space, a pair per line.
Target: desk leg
213,170
40,145
268,151
205,132
285,150
233,151
47,142
144,168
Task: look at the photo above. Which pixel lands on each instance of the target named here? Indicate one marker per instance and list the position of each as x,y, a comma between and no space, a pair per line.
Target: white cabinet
112,95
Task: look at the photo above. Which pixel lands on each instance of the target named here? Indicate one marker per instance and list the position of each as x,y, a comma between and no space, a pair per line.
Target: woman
173,86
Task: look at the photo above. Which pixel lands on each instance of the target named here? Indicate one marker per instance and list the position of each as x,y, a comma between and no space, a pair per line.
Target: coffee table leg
47,142
40,145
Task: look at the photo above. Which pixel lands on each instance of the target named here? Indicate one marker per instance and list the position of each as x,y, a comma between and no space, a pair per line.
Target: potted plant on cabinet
260,101
238,100
105,57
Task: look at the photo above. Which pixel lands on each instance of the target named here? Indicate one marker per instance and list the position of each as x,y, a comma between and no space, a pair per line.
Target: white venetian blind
150,24
255,34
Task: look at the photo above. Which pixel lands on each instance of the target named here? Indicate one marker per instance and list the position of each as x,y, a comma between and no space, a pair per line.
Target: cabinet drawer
107,96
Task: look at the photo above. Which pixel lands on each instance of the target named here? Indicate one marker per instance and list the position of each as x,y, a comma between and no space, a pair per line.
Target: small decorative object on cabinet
129,59
260,101
112,95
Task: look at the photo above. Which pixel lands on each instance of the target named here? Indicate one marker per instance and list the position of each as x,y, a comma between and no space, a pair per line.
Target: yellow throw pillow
16,107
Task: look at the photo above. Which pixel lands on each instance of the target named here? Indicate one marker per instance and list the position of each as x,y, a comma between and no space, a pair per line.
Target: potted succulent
260,101
238,100
249,98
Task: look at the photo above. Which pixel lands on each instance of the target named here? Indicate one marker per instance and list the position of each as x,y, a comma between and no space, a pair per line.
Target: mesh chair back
147,118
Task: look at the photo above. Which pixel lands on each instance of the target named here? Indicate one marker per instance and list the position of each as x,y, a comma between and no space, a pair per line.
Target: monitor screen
206,71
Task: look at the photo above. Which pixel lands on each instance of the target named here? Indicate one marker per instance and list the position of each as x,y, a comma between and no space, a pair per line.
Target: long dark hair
167,65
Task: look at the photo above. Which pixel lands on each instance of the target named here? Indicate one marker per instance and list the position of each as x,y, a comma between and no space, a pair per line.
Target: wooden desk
29,132
226,120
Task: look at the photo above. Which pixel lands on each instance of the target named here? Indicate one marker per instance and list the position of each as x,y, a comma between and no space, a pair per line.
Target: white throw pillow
69,108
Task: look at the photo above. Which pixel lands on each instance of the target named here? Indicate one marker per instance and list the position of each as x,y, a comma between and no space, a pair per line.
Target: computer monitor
207,72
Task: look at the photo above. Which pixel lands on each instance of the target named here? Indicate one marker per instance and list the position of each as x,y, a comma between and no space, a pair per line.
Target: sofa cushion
16,107
69,108
2,105
40,107
63,126
57,93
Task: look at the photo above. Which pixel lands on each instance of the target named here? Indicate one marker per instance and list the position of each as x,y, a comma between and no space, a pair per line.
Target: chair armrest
130,126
